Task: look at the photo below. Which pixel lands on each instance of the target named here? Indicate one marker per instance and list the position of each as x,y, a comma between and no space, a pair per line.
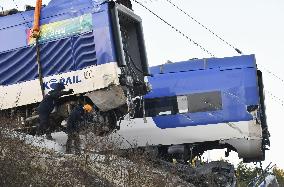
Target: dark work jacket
48,103
74,119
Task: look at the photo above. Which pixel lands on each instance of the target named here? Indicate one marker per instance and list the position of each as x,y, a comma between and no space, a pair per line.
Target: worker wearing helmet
74,120
47,105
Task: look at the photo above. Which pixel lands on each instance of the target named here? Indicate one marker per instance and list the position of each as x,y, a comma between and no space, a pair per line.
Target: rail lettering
66,81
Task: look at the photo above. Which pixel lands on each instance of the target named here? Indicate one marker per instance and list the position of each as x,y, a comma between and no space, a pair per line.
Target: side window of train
161,106
197,102
203,102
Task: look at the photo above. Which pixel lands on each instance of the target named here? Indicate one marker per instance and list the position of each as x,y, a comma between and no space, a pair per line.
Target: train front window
191,103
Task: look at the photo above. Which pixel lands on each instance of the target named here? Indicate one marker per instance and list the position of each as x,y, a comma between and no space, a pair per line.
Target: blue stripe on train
200,118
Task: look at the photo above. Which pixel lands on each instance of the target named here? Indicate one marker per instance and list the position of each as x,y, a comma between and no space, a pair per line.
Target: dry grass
26,165
101,164
134,169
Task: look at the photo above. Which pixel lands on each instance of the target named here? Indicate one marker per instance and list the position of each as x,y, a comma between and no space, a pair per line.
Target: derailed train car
95,49
202,104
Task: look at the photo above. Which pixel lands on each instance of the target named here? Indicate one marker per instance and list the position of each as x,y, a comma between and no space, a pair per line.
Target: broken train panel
203,104
95,49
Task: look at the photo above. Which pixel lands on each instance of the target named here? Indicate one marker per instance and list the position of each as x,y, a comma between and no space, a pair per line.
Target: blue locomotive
96,49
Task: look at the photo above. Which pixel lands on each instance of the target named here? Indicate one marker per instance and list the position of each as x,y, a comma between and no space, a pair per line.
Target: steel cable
174,28
275,98
188,15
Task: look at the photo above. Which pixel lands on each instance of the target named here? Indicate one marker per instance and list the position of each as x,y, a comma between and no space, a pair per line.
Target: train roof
236,62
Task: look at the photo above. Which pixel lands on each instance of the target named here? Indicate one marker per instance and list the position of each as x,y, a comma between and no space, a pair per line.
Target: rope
39,68
36,35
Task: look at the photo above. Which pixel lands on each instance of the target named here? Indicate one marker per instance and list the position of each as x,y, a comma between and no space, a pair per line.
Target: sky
254,27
